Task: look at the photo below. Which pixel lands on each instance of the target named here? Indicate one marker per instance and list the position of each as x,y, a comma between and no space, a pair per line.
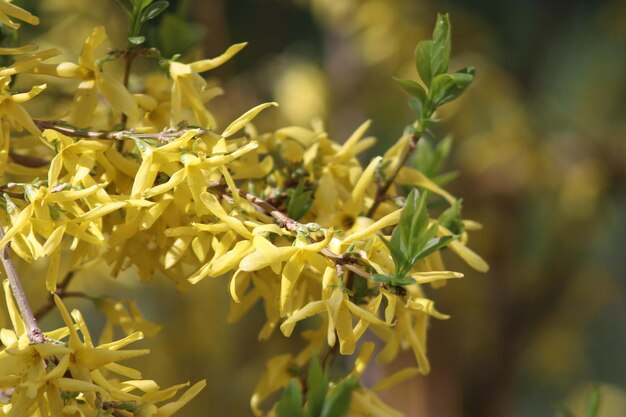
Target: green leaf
413,88
414,221
383,279
300,202
447,87
440,52
429,158
290,404
397,254
432,246
176,35
338,400
441,152
136,40
424,157
422,61
405,242
154,10
593,402
317,384
451,218
416,105
141,4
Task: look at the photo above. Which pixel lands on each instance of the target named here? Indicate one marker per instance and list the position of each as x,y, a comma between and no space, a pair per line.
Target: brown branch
347,262
166,135
62,292
381,192
34,331
28,160
129,57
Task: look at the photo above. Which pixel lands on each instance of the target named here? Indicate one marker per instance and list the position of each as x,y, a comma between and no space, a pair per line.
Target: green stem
381,192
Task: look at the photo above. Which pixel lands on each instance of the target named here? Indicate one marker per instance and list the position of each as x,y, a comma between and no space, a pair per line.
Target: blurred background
540,146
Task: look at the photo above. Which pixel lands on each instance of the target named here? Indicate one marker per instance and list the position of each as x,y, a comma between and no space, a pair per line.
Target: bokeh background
540,146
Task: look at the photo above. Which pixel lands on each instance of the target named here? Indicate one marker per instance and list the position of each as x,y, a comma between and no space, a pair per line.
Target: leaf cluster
411,240
322,400
431,61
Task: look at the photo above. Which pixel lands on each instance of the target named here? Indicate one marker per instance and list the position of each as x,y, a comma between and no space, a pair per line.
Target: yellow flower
13,115
191,91
92,80
57,378
337,305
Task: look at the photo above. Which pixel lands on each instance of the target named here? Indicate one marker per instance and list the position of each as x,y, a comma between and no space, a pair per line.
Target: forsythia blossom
291,217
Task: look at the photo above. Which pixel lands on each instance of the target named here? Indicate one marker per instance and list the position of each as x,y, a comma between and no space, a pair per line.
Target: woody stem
34,331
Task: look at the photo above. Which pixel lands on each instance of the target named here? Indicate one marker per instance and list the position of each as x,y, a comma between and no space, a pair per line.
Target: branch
62,292
34,332
129,57
292,225
381,192
28,160
166,135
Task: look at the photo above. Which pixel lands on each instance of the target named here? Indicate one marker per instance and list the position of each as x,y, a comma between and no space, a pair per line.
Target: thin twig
129,57
381,192
62,292
166,135
28,160
34,331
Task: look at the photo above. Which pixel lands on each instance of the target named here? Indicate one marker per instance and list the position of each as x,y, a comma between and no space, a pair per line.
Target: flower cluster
291,217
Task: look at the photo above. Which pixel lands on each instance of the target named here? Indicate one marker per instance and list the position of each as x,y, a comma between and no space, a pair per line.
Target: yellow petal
100,211
209,64
363,314
427,306
87,56
19,224
84,103
364,358
244,119
290,275
19,50
311,309
358,193
396,378
20,115
386,221
171,408
8,9
410,176
266,254
117,95
218,211
229,261
347,148
75,385
69,195
434,276
52,274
